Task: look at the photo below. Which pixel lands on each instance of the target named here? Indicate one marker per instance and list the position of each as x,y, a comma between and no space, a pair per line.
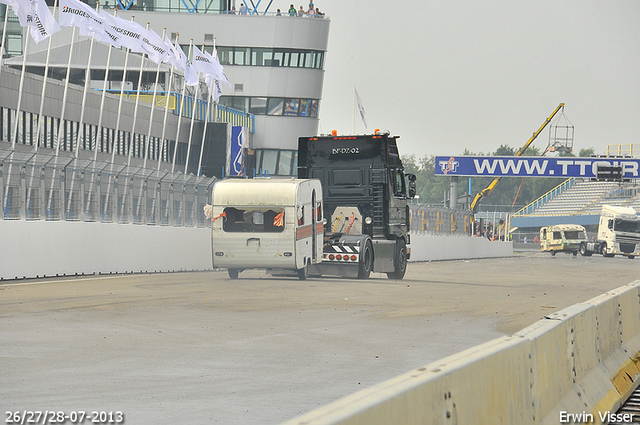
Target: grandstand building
575,201
275,64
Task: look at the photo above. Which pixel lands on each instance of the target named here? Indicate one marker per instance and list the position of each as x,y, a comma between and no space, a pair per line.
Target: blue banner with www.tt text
532,166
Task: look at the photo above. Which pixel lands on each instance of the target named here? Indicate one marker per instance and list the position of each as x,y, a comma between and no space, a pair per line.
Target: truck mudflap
383,254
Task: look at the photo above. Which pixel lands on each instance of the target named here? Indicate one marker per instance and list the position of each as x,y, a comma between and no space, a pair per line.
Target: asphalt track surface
200,348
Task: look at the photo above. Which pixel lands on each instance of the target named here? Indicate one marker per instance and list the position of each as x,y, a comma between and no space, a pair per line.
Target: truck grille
627,238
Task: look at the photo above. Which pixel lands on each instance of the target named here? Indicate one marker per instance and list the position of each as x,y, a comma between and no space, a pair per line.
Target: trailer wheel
303,273
583,250
233,273
365,267
399,260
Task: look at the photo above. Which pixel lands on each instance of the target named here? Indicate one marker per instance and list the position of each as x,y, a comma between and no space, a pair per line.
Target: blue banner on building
532,166
239,142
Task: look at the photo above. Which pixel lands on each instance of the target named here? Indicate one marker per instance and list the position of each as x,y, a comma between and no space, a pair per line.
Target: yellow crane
487,191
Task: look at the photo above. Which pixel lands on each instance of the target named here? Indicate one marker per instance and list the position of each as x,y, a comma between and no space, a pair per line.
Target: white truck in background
618,233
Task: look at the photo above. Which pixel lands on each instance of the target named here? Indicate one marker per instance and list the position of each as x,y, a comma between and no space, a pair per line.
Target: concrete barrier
50,248
575,366
37,248
435,248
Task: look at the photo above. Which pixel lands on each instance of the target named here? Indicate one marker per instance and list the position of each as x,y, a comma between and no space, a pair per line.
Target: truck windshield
627,226
253,220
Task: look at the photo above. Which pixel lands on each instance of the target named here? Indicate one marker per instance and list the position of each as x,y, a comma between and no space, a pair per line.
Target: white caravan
267,223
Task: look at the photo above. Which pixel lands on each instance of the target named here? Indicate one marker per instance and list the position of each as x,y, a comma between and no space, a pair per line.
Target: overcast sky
456,74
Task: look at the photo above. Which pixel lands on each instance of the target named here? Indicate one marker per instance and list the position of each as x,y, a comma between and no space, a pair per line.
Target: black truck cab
365,192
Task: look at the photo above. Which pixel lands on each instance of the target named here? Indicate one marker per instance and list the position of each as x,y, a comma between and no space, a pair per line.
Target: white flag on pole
20,8
360,107
36,15
214,87
178,59
201,63
129,33
219,70
90,22
153,46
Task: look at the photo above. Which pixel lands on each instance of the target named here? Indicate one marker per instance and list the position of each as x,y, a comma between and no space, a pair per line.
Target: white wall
432,248
50,248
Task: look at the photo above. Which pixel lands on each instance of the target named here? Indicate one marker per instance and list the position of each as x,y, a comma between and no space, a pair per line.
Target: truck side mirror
412,185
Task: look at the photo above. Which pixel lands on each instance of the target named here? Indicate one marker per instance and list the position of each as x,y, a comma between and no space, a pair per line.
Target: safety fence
188,106
440,221
43,186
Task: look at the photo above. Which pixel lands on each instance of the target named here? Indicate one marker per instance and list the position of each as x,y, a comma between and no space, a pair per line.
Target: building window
241,56
291,107
258,106
260,56
276,162
274,106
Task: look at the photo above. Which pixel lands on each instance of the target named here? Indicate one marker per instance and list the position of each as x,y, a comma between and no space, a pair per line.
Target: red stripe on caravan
303,232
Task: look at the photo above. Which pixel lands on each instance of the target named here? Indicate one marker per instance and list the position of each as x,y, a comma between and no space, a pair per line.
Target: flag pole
184,89
116,135
153,104
193,118
44,86
4,37
20,90
166,111
14,136
64,94
135,108
99,128
353,112
206,119
87,80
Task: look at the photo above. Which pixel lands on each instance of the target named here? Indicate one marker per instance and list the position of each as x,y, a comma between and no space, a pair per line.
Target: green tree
586,152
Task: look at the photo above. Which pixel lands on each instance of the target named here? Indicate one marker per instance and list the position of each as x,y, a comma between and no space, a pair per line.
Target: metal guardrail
440,221
546,197
212,112
629,149
42,186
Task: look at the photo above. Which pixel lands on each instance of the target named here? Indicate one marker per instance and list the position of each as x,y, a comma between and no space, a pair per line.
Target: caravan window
574,234
253,220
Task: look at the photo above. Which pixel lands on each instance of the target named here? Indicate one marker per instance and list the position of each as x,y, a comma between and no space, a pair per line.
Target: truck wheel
575,253
399,260
603,251
583,250
365,267
233,273
553,253
303,273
